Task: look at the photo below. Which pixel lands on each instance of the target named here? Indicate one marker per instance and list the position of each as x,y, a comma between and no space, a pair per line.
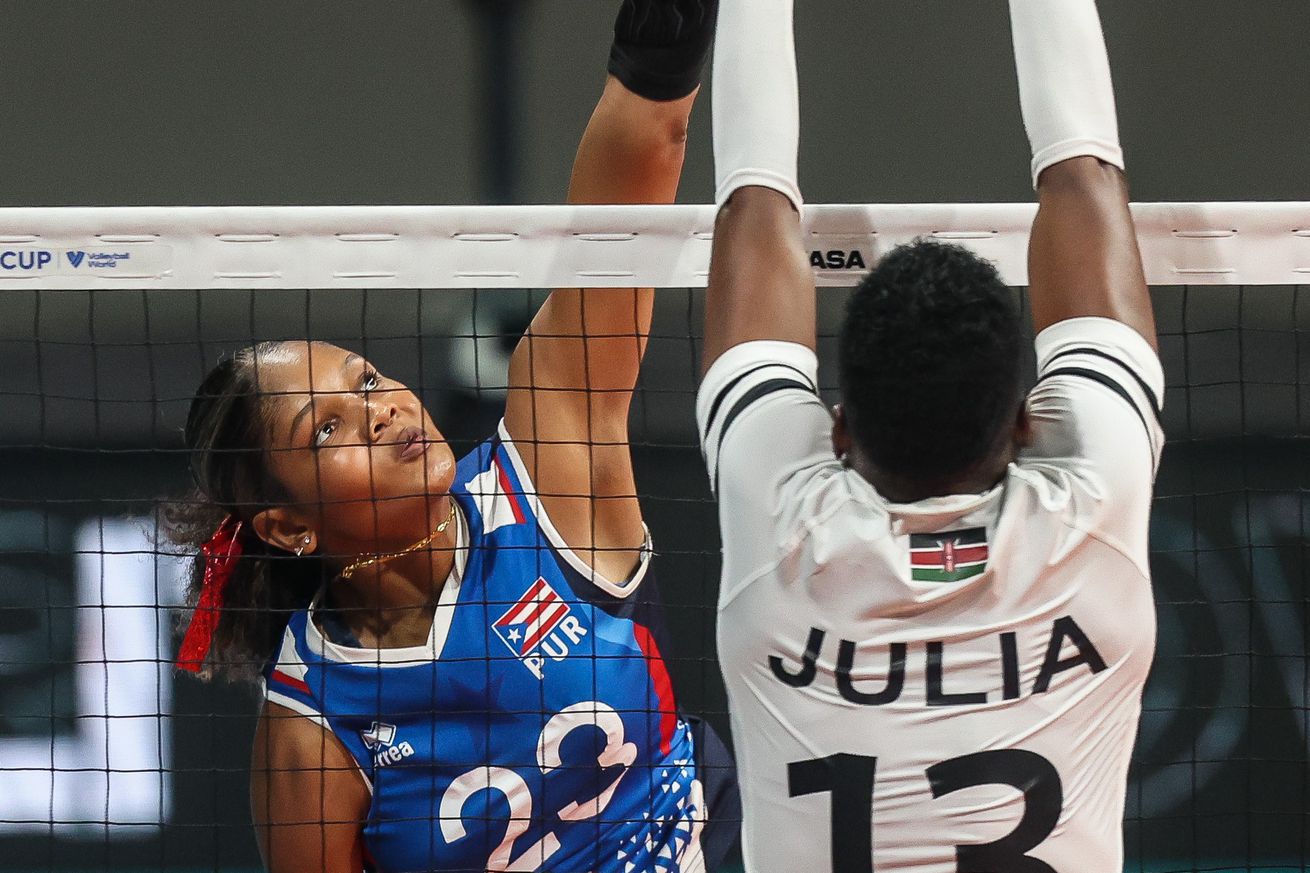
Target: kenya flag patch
949,556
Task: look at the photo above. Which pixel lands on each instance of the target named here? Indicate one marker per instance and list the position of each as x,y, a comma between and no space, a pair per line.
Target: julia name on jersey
938,689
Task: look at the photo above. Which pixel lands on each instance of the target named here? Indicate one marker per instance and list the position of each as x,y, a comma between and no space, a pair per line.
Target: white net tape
583,246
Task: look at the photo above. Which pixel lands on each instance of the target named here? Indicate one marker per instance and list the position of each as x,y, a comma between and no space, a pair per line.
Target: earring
300,550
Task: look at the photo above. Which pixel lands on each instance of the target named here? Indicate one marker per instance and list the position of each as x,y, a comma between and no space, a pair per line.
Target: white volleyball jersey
953,684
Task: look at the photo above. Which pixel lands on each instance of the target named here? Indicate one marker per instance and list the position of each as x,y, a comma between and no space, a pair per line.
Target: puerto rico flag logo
949,556
525,624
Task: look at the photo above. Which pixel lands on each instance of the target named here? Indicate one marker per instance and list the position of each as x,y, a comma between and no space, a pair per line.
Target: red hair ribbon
221,553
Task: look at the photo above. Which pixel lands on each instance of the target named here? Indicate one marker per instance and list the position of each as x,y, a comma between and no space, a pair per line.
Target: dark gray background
164,102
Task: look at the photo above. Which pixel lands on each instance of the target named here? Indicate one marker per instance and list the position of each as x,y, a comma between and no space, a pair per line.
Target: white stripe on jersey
493,503
288,659
529,602
547,617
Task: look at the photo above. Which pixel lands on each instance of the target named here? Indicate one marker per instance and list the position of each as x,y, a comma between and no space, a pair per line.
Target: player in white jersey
935,618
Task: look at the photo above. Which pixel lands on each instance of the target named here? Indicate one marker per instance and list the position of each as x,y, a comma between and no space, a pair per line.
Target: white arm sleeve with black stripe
764,433
1095,413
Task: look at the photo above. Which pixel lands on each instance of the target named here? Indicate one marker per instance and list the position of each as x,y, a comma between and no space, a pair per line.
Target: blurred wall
243,102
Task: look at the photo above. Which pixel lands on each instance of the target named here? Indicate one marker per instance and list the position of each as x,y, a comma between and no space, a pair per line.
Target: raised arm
571,377
757,409
1094,415
760,286
1083,256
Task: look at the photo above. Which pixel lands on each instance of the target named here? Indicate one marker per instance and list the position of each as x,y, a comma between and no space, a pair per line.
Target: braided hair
226,436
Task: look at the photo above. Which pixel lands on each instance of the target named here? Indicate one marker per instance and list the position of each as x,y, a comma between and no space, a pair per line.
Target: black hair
226,436
931,357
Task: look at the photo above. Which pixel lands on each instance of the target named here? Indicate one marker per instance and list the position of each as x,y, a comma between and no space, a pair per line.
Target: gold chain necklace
382,559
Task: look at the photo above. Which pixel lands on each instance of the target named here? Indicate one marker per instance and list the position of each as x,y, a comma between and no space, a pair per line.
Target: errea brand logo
381,741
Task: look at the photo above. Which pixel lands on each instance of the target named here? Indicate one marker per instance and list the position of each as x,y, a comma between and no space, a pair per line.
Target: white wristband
756,99
1065,89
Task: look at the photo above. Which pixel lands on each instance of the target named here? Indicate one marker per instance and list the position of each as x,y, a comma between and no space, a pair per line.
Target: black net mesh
110,760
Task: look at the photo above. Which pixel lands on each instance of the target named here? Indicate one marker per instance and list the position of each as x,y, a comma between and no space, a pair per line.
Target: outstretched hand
660,46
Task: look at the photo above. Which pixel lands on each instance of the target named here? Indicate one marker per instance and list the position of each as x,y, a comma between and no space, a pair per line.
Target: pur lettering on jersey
539,626
1064,632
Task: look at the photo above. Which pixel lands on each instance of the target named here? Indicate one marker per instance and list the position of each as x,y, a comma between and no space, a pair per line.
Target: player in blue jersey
463,663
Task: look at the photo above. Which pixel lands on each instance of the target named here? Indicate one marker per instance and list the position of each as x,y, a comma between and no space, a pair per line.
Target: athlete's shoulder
1063,513
287,680
759,415
1084,492
1098,400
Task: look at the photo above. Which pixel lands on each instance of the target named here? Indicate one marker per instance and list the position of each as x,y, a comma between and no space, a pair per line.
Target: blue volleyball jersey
536,729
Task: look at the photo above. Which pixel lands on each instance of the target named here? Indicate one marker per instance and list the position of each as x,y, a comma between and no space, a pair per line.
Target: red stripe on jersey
659,677
508,489
963,555
518,614
279,676
545,625
535,609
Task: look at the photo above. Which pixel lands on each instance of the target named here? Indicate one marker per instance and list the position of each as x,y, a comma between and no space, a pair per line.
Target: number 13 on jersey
851,781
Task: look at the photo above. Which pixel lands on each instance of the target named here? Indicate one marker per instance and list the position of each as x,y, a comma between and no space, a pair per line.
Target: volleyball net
109,319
